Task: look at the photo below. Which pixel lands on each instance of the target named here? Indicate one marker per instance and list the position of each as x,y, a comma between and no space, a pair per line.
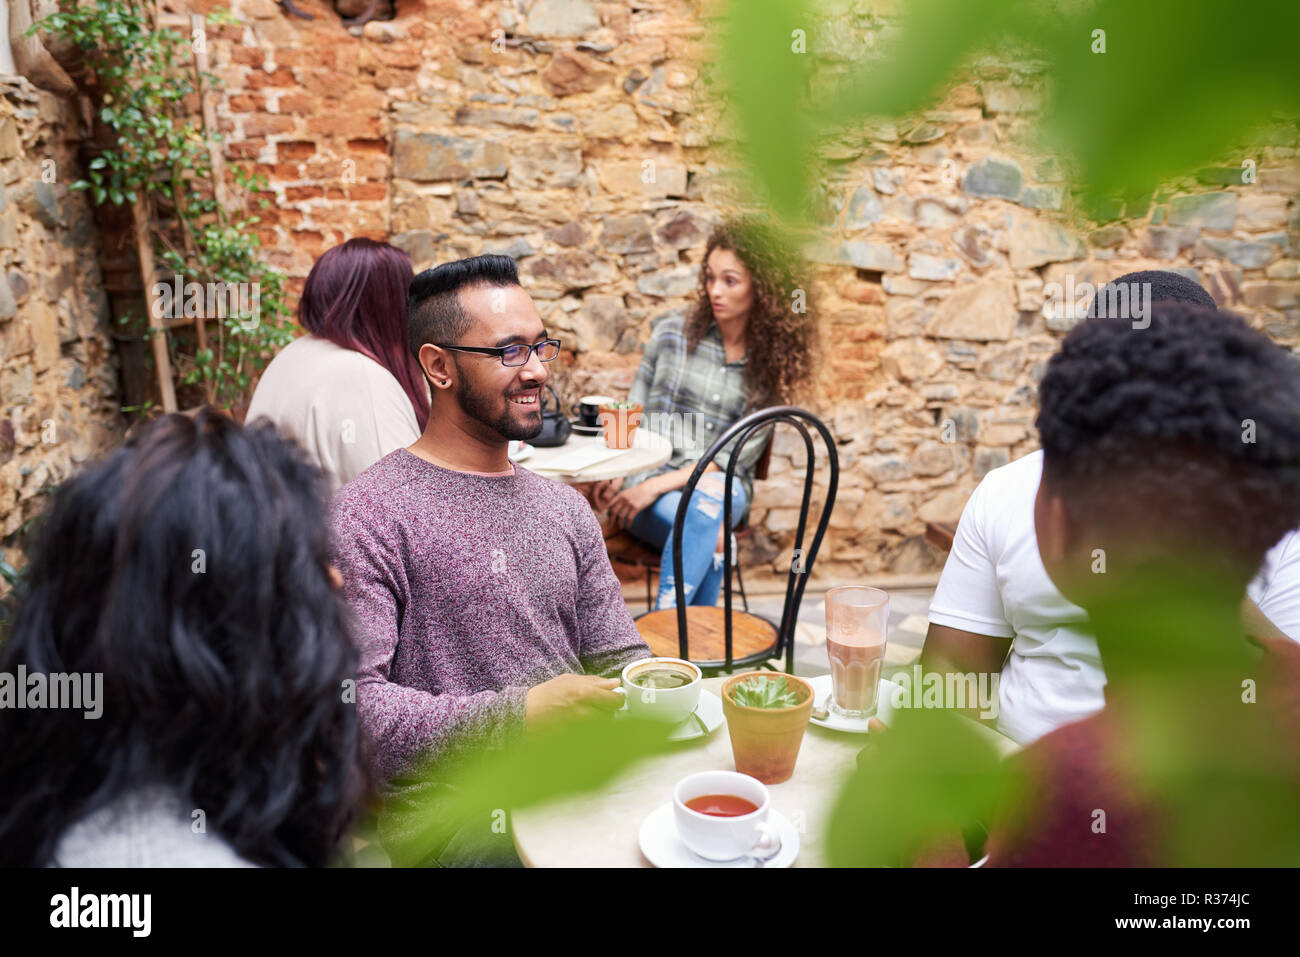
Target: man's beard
478,405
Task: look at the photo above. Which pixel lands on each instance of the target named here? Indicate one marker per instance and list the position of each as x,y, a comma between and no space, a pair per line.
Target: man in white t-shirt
995,590
994,595
1276,590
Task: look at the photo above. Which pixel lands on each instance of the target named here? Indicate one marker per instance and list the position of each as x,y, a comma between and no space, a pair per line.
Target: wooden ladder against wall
141,215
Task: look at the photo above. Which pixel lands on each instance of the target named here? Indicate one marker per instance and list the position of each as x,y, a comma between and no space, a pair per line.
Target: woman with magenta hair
348,392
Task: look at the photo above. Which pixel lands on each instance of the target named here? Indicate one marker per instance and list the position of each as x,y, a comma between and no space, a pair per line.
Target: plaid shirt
692,398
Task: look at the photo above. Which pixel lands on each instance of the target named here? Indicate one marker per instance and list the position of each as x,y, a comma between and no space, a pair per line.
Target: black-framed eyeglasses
515,355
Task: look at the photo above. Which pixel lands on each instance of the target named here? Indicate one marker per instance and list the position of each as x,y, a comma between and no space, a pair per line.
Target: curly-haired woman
743,347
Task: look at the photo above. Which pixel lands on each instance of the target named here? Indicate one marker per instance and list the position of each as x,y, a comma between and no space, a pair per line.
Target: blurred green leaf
766,77
1179,83
929,776
469,789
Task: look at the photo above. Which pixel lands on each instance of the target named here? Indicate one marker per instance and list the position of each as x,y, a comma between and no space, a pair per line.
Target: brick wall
528,126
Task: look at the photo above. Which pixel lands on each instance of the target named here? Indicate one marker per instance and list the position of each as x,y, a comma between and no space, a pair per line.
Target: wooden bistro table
649,450
601,828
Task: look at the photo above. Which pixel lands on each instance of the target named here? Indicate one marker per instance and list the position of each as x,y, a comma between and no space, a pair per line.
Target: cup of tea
587,409
722,815
856,620
662,689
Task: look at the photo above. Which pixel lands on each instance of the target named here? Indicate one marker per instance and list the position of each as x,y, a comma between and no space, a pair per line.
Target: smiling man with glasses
485,601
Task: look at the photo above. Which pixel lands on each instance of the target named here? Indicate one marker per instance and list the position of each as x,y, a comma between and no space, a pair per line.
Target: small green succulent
621,405
764,693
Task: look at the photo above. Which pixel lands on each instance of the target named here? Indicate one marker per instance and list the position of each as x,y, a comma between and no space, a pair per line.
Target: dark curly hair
222,672
1164,286
1189,428
780,369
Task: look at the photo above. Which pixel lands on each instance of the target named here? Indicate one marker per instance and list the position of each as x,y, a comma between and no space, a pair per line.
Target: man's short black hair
1165,286
1190,428
436,312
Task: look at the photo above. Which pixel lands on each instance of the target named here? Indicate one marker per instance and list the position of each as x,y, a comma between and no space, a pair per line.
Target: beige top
342,407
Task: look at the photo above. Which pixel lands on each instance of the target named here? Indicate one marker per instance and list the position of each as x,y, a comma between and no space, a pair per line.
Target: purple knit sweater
467,590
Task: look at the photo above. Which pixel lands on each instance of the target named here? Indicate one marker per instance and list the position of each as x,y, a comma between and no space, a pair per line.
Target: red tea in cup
721,815
721,805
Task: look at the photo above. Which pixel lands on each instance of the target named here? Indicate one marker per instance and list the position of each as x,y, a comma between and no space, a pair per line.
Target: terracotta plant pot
619,425
765,741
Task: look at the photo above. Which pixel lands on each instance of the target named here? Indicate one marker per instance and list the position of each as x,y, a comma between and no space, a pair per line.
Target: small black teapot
555,427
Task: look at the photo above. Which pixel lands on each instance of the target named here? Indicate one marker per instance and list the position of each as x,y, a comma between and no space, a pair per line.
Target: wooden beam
144,248
210,131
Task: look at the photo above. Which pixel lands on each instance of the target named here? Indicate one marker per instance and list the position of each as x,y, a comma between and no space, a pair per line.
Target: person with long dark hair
187,578
747,344
349,392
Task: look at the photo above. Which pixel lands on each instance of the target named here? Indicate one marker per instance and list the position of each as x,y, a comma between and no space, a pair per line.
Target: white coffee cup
719,838
669,705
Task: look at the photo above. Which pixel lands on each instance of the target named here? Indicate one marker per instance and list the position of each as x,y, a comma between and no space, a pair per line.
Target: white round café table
649,450
600,829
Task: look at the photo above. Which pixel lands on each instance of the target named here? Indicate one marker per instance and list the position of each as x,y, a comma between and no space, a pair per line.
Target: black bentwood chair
726,640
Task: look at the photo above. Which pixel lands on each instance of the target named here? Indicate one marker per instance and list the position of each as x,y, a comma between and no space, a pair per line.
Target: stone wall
58,370
581,137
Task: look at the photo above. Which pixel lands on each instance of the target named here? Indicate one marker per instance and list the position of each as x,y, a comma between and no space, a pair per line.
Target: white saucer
587,429
663,847
524,450
837,722
709,710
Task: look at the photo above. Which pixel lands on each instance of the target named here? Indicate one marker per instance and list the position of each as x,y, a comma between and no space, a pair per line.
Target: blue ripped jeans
703,569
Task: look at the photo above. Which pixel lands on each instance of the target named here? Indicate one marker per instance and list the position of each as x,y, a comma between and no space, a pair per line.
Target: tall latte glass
856,619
